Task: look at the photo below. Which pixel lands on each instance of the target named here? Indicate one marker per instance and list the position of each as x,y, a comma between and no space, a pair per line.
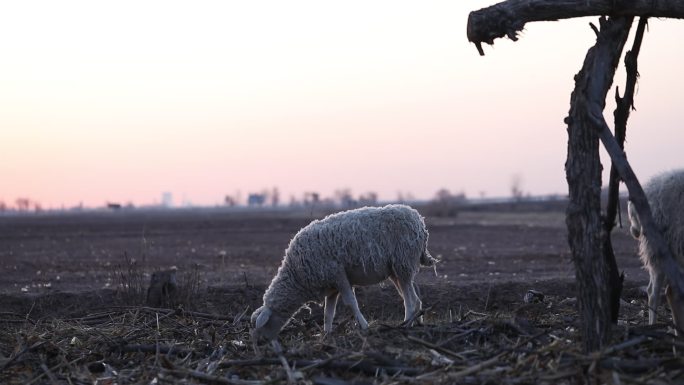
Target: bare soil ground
80,252
72,290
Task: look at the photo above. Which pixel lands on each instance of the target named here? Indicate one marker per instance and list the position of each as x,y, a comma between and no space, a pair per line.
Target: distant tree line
444,202
22,205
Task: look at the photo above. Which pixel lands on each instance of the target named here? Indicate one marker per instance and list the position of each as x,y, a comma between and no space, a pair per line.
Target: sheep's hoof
411,322
324,336
257,350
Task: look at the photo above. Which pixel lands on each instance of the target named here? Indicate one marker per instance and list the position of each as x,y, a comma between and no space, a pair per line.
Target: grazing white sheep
665,193
328,257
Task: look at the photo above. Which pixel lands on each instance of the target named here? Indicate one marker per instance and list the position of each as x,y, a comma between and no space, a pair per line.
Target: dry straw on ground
533,343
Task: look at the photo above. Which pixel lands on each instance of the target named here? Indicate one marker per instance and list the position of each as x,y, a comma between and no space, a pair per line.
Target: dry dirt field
72,289
81,252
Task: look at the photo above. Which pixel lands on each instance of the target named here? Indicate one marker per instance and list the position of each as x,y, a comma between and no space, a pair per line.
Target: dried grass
532,343
133,283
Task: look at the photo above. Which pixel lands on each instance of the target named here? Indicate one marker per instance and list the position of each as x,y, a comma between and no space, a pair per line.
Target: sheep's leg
654,285
395,281
416,304
416,292
347,293
412,303
329,312
417,289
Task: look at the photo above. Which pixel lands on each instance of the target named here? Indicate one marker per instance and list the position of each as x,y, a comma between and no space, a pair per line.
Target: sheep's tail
427,260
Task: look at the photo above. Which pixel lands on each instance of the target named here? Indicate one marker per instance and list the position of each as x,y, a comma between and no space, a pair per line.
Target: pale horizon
120,102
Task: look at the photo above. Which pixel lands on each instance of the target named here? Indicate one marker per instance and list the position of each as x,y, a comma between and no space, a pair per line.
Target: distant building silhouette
256,200
167,199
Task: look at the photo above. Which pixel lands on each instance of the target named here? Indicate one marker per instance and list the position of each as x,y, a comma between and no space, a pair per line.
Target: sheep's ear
263,318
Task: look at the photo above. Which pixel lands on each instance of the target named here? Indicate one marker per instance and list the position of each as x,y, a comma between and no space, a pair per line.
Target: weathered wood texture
621,114
586,125
624,105
673,272
586,235
509,17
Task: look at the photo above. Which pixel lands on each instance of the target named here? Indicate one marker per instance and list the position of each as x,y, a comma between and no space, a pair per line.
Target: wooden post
583,171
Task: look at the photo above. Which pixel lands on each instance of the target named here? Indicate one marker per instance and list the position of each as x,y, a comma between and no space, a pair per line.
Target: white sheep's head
267,324
635,224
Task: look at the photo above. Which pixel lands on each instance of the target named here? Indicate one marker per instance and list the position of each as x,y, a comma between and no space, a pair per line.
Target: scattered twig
357,366
49,374
324,362
23,317
288,370
476,368
456,337
630,365
489,291
239,317
436,347
490,362
144,328
54,368
416,316
182,372
151,348
21,353
623,345
16,321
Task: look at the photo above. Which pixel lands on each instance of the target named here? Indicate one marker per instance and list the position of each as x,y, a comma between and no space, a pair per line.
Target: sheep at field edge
326,258
665,194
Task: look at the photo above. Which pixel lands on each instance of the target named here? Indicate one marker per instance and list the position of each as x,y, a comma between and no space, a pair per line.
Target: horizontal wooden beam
509,17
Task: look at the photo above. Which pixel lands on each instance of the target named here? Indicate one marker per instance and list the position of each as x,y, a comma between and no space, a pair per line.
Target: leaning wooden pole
624,106
583,172
672,270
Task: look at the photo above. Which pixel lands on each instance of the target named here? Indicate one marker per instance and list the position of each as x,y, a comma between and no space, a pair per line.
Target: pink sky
123,101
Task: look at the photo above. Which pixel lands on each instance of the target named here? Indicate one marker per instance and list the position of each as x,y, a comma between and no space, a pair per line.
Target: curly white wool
665,193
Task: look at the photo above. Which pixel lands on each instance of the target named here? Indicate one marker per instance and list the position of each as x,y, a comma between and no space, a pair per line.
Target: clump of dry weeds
134,281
